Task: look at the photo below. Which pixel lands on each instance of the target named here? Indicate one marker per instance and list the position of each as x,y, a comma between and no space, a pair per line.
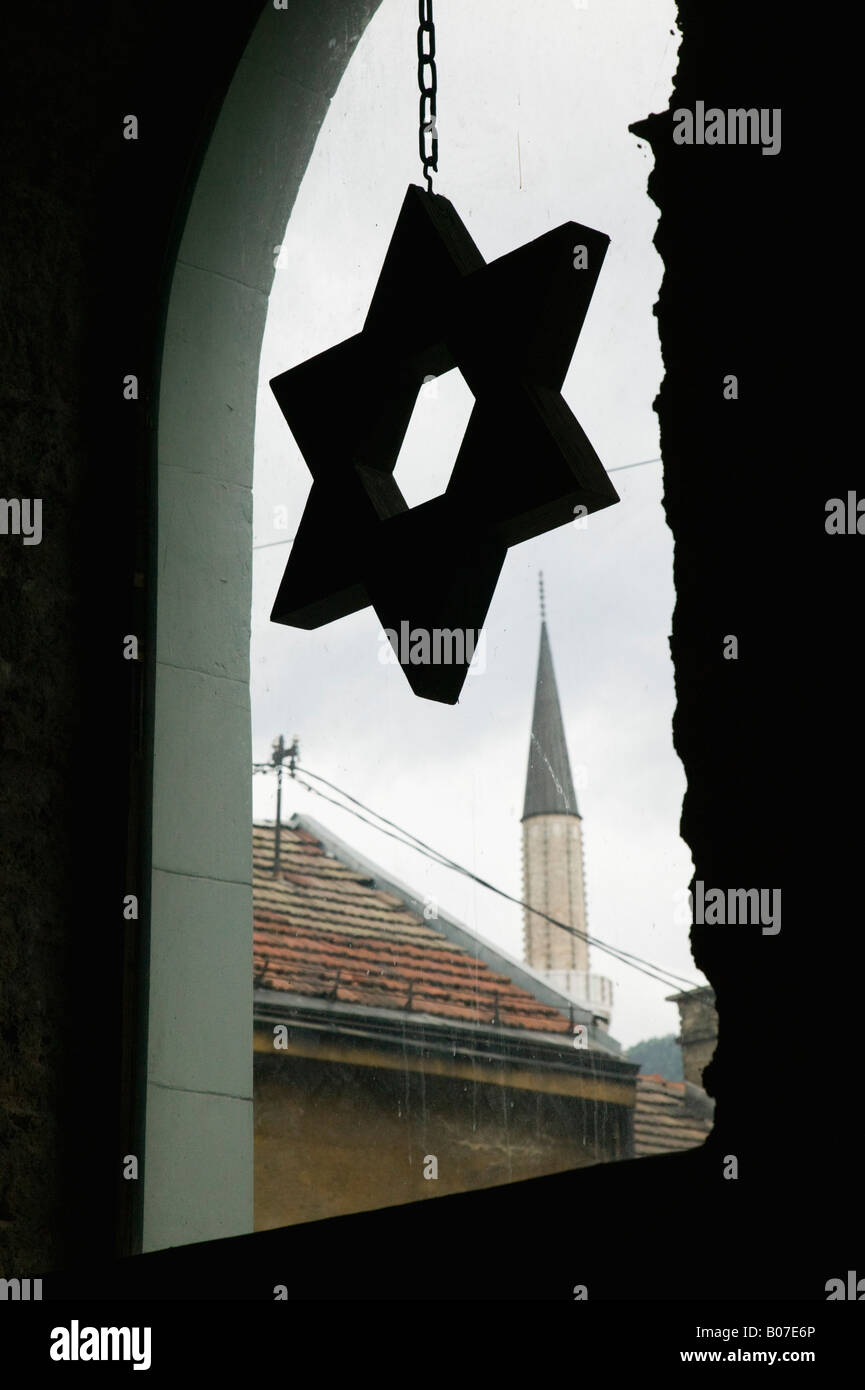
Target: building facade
399,1056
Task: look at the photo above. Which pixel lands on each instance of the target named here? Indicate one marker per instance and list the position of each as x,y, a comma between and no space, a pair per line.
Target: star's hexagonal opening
433,437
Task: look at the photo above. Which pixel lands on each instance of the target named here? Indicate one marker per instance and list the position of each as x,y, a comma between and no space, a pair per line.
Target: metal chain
426,55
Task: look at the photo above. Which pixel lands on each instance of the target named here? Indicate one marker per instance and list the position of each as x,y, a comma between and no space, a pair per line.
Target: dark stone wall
88,223
769,742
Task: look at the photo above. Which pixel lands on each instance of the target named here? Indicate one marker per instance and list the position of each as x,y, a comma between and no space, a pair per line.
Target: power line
410,841
265,545
623,957
447,864
642,463
413,842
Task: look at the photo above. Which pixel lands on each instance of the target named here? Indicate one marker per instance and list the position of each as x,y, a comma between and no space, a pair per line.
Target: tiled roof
323,930
663,1119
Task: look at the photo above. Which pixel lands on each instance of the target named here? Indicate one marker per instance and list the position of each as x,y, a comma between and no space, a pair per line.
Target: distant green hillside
661,1055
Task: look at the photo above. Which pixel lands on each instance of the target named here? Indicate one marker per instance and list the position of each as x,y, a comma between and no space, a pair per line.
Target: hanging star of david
524,466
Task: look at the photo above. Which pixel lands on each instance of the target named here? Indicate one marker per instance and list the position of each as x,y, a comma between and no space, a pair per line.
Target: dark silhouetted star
524,466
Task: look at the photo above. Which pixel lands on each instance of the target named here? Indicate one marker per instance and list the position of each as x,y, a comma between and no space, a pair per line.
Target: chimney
698,1030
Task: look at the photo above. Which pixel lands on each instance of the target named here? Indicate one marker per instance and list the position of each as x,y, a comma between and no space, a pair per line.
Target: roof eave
549,1050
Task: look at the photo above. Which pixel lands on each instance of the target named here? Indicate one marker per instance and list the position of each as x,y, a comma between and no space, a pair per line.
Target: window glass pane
416,1032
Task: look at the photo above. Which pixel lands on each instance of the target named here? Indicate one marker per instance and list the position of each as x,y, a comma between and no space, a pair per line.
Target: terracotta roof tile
662,1123
324,930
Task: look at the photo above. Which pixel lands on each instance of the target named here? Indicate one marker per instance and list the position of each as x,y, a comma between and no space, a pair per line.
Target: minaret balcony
593,992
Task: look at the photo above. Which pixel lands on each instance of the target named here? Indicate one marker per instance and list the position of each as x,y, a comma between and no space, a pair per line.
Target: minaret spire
549,785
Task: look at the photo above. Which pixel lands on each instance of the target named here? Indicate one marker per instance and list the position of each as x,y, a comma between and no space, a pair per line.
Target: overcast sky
534,101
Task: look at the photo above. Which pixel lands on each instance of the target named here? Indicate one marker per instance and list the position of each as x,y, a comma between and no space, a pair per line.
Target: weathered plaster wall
332,1138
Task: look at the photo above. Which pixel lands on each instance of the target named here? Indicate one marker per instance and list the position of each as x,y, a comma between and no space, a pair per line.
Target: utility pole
280,753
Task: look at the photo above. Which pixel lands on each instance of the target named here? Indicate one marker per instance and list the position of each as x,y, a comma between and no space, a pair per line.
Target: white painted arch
198,1171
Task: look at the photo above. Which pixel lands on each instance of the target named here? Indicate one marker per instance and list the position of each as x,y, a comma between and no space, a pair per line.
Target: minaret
553,841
